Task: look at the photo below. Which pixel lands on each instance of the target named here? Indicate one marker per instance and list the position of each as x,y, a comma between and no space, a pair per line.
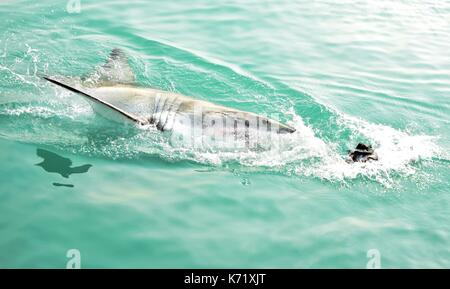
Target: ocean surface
340,72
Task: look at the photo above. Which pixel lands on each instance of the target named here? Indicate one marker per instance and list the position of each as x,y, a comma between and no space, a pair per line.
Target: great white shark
112,91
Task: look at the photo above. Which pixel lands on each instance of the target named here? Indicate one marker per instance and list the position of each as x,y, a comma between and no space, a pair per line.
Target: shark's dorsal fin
116,70
104,108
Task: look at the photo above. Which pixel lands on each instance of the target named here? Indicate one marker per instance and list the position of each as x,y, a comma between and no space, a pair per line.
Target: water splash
398,152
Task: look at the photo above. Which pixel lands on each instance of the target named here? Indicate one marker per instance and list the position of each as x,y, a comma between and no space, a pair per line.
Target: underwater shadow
54,163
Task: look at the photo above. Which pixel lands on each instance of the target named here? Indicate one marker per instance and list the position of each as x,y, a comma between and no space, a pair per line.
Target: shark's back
158,106
112,91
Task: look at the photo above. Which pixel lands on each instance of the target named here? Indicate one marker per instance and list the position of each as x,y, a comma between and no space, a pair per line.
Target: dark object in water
362,153
63,185
54,163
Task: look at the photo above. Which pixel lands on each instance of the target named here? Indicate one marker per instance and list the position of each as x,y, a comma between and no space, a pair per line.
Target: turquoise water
340,73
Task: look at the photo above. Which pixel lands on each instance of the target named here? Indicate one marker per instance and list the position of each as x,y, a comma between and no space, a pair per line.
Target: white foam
397,150
304,154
